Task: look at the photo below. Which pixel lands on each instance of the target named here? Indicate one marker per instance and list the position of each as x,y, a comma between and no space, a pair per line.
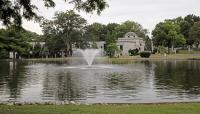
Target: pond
137,82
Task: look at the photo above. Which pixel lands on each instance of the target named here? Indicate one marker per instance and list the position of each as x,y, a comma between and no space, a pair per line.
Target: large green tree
95,32
12,11
186,24
12,39
194,33
111,46
130,26
64,27
168,34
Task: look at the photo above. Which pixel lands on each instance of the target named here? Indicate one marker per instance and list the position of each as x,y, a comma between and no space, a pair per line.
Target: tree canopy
12,11
167,34
194,33
67,27
130,26
183,29
13,39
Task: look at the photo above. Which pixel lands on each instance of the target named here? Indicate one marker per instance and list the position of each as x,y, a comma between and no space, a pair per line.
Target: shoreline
77,103
152,57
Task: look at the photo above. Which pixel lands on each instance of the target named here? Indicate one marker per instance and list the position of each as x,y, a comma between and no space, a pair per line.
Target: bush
133,52
162,49
145,54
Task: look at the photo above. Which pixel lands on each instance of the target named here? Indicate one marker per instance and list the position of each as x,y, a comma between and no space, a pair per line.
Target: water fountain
89,55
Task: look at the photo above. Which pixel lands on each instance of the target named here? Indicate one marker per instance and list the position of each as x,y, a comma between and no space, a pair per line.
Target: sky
146,12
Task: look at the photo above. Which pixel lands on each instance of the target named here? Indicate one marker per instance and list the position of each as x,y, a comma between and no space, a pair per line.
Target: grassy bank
178,108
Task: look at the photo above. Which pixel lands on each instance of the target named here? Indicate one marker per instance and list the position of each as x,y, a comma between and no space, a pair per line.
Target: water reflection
61,86
140,81
178,77
12,79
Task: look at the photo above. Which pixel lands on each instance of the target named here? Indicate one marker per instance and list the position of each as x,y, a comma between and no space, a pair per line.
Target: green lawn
178,108
189,52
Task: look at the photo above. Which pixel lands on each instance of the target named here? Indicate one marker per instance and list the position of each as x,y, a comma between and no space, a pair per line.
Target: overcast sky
146,12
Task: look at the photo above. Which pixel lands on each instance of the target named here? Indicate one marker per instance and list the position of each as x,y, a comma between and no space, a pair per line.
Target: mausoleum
129,41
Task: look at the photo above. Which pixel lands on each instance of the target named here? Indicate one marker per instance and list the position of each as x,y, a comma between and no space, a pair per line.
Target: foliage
95,32
130,26
145,54
45,51
194,33
184,30
111,49
161,49
168,34
111,27
94,45
37,50
66,29
12,39
12,12
17,39
111,46
4,54
155,50
148,44
186,25
133,52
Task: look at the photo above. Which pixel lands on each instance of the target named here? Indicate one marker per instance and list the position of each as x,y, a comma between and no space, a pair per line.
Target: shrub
133,52
145,54
162,49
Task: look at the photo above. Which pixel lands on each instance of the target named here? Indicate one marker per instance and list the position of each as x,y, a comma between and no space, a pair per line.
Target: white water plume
89,55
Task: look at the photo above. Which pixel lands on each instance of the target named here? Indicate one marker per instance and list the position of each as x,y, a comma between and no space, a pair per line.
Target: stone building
129,41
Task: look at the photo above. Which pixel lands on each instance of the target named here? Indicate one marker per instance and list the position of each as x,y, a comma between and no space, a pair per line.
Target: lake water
137,82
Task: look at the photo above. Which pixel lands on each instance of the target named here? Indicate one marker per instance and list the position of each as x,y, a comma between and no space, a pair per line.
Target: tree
63,27
111,46
130,26
185,25
12,12
95,32
12,39
111,27
168,34
111,49
37,51
194,33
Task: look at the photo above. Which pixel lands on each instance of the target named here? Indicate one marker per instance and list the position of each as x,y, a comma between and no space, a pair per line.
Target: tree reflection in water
12,79
179,77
